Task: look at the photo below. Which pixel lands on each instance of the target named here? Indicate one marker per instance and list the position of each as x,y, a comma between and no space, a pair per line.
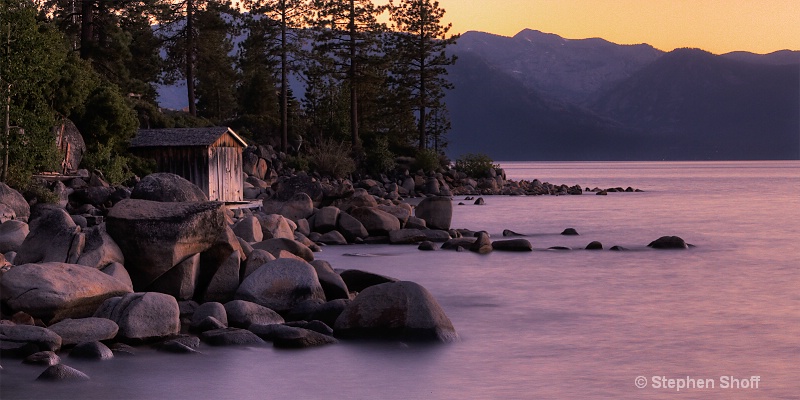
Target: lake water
548,324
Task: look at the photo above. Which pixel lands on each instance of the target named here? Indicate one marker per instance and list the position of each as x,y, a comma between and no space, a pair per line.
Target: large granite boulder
512,245
436,211
281,285
407,236
24,340
167,187
375,221
100,249
12,234
142,316
357,280
179,281
15,201
155,236
55,291
52,238
71,144
62,372
209,309
74,331
398,310
231,337
286,187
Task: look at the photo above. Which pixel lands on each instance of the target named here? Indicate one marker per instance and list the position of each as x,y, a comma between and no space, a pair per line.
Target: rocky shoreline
110,268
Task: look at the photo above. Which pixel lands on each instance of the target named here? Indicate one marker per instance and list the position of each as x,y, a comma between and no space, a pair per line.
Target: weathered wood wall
225,173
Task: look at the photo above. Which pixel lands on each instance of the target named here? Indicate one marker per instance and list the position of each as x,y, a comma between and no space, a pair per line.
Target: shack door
225,174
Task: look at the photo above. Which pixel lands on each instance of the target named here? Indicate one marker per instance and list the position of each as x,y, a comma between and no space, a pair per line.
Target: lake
720,320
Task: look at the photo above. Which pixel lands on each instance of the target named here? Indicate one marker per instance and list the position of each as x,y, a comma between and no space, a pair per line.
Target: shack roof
177,137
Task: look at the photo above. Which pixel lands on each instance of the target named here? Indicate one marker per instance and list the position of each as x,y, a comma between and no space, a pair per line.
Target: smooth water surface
547,324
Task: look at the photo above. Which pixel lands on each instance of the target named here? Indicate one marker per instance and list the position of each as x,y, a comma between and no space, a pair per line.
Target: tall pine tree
418,48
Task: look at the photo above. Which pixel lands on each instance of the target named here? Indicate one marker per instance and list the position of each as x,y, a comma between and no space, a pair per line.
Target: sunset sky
719,26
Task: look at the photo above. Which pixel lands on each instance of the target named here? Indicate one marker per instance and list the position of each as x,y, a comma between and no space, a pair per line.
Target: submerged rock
668,242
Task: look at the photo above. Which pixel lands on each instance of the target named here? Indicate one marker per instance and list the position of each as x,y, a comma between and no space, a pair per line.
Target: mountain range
537,96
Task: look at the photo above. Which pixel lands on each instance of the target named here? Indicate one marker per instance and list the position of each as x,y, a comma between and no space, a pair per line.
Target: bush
475,165
331,158
427,160
379,159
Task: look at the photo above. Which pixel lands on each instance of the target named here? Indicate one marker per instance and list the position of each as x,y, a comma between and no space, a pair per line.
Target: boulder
118,272
332,283
179,281
351,228
275,226
100,249
71,145
55,291
426,246
436,211
24,340
668,242
594,246
401,211
61,372
274,247
42,358
332,238
142,316
6,213
360,198
74,331
300,338
15,201
357,280
12,235
435,235
456,243
242,314
230,337
570,232
249,229
407,236
325,219
398,311
209,309
509,232
297,207
256,259
376,222
512,245
416,223
154,236
167,187
208,324
52,238
319,311
287,187
91,350
225,280
281,284
482,244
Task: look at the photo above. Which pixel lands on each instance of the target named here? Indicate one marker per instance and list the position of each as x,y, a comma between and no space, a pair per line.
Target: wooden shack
211,158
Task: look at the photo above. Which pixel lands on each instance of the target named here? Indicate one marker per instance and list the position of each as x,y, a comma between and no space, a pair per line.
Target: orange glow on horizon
718,26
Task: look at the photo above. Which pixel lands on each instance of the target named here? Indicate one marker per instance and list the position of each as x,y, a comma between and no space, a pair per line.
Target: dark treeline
375,88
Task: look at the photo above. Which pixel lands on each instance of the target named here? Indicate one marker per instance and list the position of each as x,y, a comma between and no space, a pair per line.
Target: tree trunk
351,74
284,82
87,29
190,57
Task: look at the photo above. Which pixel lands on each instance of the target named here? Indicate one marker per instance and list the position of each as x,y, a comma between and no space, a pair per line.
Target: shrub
379,159
475,165
427,160
331,158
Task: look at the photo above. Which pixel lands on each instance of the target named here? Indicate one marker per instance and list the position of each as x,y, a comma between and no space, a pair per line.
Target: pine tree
216,80
347,40
418,49
286,18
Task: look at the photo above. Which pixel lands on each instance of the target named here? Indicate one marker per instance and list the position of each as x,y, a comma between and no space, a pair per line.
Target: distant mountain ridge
541,97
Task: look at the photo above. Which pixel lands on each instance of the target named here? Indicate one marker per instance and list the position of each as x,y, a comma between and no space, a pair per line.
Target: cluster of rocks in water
108,268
